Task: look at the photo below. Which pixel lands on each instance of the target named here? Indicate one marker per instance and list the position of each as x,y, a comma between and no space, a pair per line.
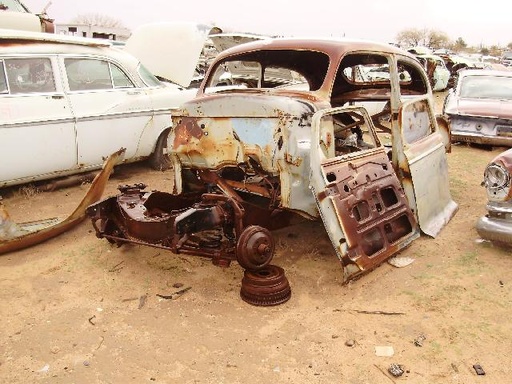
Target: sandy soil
77,310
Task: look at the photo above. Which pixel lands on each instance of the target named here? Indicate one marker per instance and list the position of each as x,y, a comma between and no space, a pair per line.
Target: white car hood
169,49
223,41
20,21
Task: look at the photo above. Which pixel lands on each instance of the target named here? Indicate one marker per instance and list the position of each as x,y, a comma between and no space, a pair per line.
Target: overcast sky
483,22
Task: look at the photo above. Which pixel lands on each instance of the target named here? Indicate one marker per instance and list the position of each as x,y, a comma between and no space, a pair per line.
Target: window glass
486,87
149,79
30,75
121,80
88,74
3,80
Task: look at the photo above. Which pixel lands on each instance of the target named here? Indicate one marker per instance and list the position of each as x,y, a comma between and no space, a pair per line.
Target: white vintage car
67,103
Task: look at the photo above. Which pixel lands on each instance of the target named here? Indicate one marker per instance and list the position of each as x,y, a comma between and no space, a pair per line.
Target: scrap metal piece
255,247
396,370
265,287
14,236
478,369
419,340
174,295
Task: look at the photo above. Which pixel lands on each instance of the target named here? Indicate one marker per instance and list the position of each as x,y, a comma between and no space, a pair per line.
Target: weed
28,191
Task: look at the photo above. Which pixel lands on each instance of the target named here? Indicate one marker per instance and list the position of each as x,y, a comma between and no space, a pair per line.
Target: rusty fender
15,236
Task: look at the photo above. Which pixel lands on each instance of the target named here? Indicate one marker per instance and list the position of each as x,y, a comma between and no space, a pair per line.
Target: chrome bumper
475,138
495,230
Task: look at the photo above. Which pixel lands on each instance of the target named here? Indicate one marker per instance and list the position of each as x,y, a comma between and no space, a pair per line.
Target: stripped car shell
304,145
496,225
479,108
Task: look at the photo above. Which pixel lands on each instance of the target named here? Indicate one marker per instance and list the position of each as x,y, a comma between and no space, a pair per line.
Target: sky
477,23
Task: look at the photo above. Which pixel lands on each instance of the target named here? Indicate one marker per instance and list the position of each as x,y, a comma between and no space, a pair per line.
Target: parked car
480,107
251,158
68,102
506,58
496,225
15,15
436,70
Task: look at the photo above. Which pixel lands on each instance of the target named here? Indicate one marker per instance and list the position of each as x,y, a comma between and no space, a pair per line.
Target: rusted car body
496,225
261,153
480,107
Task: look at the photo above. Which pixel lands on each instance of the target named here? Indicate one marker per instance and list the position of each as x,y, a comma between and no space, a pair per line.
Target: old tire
160,159
255,247
265,287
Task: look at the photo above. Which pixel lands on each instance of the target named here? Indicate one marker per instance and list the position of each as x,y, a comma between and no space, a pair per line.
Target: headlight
497,182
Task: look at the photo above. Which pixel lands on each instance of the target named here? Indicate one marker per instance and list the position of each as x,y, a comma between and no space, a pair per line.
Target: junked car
496,225
255,157
437,71
479,108
68,102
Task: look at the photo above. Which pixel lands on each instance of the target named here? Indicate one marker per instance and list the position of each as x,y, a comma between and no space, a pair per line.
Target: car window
147,77
30,75
120,78
92,74
271,69
3,80
412,81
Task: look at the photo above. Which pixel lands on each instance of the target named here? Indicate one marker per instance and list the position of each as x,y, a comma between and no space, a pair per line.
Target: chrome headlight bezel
497,182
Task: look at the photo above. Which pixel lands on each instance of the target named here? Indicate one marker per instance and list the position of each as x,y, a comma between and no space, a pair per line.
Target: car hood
223,41
169,49
20,21
500,109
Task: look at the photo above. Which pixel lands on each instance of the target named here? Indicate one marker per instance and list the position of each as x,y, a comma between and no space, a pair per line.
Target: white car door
37,136
110,111
424,163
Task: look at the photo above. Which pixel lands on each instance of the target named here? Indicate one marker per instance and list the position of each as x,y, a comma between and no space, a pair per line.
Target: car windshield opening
271,69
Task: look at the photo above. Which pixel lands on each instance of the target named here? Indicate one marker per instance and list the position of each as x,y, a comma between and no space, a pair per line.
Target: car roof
7,35
333,47
485,72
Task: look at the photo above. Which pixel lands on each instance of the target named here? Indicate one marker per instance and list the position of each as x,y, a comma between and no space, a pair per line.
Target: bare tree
426,37
98,20
410,37
436,39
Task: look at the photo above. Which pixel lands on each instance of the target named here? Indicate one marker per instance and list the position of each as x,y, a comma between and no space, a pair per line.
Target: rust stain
185,130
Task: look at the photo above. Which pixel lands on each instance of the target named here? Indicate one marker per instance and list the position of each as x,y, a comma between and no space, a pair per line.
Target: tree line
437,39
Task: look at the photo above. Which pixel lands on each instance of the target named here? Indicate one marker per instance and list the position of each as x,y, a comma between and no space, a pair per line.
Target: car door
424,167
361,202
37,135
110,110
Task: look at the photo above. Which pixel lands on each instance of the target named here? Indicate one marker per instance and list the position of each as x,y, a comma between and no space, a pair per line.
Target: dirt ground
77,310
